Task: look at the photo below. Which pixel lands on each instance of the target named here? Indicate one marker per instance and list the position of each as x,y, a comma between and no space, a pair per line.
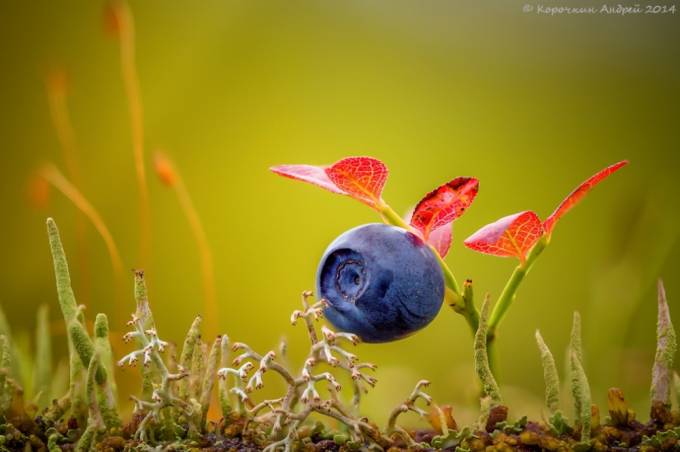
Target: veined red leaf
441,239
575,196
511,236
443,205
308,173
362,178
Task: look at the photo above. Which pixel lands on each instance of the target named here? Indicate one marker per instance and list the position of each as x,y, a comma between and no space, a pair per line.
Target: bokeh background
529,104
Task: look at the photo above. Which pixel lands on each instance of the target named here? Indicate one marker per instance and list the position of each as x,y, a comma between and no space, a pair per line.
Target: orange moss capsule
164,169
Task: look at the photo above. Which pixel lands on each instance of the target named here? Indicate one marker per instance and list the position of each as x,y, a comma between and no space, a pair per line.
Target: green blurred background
529,104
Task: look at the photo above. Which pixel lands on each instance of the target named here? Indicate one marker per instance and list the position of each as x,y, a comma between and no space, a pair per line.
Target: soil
661,433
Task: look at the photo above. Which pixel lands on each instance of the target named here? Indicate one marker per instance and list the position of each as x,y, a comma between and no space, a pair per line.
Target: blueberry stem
392,217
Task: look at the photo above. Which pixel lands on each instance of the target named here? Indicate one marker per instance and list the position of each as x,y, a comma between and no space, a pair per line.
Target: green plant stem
508,295
455,298
510,290
392,217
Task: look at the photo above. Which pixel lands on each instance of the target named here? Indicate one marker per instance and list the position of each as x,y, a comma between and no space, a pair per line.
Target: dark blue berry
382,282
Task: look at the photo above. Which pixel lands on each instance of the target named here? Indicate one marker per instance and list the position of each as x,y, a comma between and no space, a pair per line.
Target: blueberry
383,283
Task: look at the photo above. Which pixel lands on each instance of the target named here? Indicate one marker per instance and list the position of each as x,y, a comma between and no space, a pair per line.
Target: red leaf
575,196
513,235
307,173
363,178
440,239
443,205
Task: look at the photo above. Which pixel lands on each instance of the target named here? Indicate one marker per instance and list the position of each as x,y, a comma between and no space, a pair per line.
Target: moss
174,414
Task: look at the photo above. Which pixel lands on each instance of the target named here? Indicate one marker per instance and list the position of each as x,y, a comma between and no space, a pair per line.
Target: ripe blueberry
382,282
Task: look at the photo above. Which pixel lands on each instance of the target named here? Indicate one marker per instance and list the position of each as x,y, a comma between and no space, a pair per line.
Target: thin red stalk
171,177
126,34
57,98
57,179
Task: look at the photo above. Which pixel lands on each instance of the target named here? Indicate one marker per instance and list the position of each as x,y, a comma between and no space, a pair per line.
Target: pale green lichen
71,313
666,344
84,347
223,384
162,406
198,365
410,405
95,420
67,300
42,372
676,386
575,341
186,359
102,347
15,366
86,350
5,363
209,379
150,374
576,348
580,388
550,376
490,389
303,398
